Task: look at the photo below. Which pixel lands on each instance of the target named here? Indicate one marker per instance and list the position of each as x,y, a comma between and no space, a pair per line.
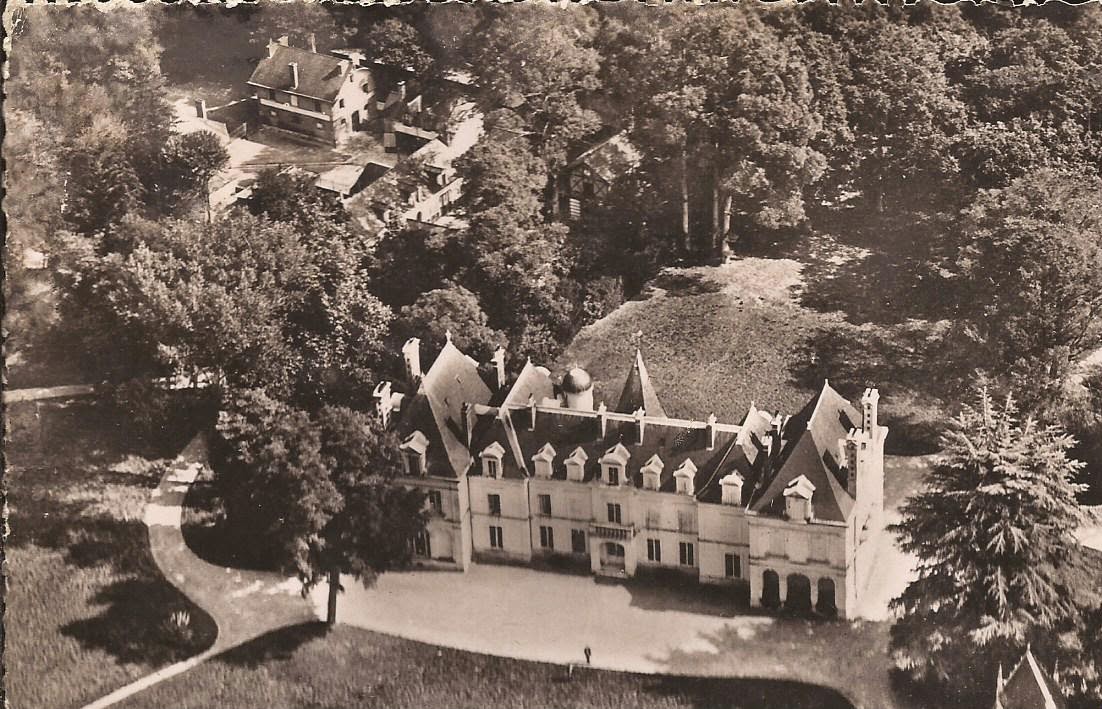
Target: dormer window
575,465
492,456
614,463
413,454
797,500
543,461
652,473
685,478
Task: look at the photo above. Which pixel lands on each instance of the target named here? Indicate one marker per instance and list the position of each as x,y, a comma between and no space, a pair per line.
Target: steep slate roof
746,457
532,381
436,410
673,441
810,448
639,391
319,75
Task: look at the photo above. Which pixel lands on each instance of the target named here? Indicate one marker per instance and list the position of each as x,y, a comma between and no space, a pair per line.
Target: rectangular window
577,541
495,538
686,522
732,566
340,104
495,504
654,518
492,467
687,554
421,544
654,550
613,476
547,537
545,504
614,512
436,500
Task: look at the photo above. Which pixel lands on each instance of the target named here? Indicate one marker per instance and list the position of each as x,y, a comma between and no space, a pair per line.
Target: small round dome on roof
576,381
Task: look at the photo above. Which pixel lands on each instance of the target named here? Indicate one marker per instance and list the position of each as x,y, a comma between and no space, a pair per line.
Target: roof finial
448,335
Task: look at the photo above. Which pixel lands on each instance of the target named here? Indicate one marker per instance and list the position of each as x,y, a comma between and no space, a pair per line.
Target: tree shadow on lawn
679,285
275,646
81,492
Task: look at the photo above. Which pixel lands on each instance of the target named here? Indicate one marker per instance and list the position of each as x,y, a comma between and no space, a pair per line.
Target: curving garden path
243,604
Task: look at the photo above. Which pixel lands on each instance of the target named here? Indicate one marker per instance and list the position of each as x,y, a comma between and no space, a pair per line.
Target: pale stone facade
531,471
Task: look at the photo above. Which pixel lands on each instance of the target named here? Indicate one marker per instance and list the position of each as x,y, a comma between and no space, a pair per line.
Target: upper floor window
614,513
413,453
613,475
491,460
340,103
545,504
436,502
494,502
493,468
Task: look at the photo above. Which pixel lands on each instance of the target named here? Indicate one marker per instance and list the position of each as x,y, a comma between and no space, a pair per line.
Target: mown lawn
86,606
305,666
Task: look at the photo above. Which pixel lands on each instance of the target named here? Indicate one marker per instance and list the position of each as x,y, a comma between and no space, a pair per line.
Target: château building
530,470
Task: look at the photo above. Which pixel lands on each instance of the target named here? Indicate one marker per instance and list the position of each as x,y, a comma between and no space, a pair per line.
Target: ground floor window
436,501
495,538
688,556
547,537
421,545
654,550
732,565
577,541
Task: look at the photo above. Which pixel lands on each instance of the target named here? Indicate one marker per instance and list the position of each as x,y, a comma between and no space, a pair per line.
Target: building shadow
662,590
717,693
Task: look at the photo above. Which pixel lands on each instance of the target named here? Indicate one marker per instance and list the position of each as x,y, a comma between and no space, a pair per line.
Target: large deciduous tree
998,564
450,311
318,490
1031,267
397,44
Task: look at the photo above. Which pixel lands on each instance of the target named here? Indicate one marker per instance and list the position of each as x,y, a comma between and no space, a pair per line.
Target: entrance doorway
770,589
612,556
826,604
798,598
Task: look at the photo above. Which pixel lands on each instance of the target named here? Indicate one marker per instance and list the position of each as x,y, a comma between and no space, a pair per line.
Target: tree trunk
713,244
879,194
728,201
684,199
334,589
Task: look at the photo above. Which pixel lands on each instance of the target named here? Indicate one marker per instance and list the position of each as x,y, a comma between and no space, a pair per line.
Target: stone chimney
652,473
602,416
401,90
731,487
383,402
869,401
849,447
411,352
201,108
532,412
498,360
710,429
640,424
293,67
313,40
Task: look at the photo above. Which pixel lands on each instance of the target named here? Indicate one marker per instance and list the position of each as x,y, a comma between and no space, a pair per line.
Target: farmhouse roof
319,75
1029,686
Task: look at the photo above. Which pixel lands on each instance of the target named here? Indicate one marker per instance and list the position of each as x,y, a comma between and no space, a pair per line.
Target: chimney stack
710,429
498,361
640,423
869,402
602,415
293,66
201,108
411,352
851,461
383,402
532,412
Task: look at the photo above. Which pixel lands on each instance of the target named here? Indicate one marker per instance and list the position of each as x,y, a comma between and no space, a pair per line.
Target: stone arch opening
770,589
827,603
798,594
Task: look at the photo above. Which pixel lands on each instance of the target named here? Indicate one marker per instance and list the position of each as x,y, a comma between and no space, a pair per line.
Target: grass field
306,667
770,328
86,606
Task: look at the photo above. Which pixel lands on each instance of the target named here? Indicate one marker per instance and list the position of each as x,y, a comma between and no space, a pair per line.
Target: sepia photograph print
648,355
